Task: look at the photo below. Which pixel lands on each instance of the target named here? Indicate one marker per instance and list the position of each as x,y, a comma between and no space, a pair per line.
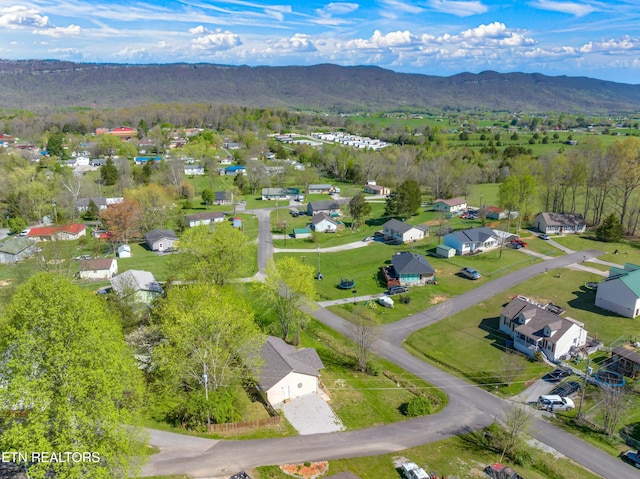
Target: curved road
469,407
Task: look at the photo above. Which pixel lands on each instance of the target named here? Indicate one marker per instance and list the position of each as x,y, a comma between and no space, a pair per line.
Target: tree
68,374
409,198
123,220
512,366
517,422
289,287
16,225
610,230
93,211
156,203
207,330
109,145
365,331
614,403
210,254
208,196
55,146
109,173
359,209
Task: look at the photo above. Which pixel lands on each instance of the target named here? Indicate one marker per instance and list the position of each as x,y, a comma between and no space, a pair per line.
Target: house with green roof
620,292
16,248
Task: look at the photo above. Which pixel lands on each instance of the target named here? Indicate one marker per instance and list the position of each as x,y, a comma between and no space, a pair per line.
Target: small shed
301,233
444,251
124,251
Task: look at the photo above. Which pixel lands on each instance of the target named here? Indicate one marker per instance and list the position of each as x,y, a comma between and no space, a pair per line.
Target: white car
556,403
410,470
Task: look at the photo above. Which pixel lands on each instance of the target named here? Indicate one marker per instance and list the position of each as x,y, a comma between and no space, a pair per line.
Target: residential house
123,251
332,208
101,202
533,328
223,198
161,240
68,232
560,223
378,190
320,189
620,292
226,161
625,361
141,160
323,223
288,372
474,240
400,232
284,194
234,170
124,132
141,286
300,233
452,205
98,269
409,269
495,213
194,170
204,218
16,248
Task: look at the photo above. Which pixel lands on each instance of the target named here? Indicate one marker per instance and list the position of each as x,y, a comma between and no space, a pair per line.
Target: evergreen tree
55,146
610,230
93,211
408,198
109,173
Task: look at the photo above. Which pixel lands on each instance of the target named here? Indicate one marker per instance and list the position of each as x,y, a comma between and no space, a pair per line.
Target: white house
372,189
620,292
320,189
327,206
98,269
533,328
194,170
141,285
560,223
452,205
472,240
205,218
288,372
400,232
161,240
68,232
323,223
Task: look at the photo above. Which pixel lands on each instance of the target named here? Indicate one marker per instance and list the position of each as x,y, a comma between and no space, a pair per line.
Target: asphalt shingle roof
280,359
156,235
397,225
563,219
406,262
137,280
15,245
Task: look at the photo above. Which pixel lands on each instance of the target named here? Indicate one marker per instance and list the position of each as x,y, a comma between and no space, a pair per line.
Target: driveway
310,414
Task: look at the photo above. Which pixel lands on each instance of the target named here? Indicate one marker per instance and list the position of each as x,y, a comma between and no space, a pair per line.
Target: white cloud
337,8
20,16
494,33
132,54
611,46
392,7
199,30
459,8
577,9
220,40
59,31
297,43
73,53
380,41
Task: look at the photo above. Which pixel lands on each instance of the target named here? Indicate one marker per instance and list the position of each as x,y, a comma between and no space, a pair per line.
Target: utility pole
584,388
206,396
284,233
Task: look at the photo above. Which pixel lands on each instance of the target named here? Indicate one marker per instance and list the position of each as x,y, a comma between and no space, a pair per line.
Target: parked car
368,238
410,470
24,232
470,273
397,290
241,475
518,243
544,236
553,402
84,256
566,389
631,457
557,374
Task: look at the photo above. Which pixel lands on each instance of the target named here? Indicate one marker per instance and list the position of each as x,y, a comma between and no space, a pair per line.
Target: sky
598,39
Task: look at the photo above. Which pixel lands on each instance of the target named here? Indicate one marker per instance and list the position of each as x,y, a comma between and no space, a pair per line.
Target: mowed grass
470,345
463,456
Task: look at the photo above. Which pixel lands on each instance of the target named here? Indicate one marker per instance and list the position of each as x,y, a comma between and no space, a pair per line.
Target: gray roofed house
222,198
472,240
412,268
141,284
560,223
323,223
161,240
400,232
288,372
325,206
534,328
205,218
16,248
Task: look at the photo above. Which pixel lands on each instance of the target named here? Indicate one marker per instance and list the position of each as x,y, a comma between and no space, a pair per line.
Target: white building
98,269
620,293
400,232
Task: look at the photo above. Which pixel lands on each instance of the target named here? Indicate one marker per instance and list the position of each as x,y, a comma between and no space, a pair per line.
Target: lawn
470,345
462,456
627,251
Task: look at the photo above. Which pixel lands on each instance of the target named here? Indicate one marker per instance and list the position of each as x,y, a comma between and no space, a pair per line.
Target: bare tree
365,329
614,402
517,421
512,365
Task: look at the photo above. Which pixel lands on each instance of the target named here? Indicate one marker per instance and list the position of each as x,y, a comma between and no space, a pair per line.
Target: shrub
417,406
16,225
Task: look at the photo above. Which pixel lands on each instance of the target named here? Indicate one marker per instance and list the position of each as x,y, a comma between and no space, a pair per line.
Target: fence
237,426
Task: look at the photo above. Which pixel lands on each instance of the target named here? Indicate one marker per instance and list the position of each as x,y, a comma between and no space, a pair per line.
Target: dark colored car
470,273
557,375
397,290
566,389
631,457
241,475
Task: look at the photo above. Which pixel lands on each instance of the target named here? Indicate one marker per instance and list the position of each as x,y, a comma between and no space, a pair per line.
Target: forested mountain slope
34,84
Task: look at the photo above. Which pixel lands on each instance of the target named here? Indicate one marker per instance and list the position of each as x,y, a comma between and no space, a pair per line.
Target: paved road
469,407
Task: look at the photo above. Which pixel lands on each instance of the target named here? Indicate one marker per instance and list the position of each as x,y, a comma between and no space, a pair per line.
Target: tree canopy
70,381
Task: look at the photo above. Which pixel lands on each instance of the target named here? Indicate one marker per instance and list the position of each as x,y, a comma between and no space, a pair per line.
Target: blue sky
599,39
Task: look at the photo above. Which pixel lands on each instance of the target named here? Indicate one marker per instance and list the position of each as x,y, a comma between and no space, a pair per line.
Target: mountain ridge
36,84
